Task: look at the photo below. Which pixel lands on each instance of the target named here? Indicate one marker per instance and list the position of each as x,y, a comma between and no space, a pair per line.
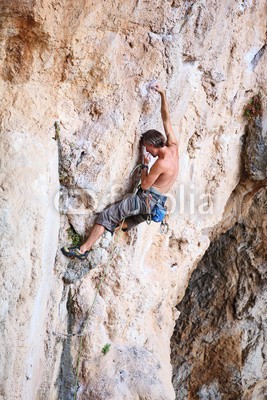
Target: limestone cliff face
219,344
219,341
86,66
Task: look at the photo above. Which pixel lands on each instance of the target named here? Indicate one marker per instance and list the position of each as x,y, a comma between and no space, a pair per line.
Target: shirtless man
134,209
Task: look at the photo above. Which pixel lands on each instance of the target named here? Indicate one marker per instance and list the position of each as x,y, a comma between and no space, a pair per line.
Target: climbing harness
157,213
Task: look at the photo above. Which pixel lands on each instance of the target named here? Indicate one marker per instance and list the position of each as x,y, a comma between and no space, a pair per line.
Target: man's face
151,149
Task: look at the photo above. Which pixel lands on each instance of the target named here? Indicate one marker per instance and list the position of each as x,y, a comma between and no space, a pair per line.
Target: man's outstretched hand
146,159
158,87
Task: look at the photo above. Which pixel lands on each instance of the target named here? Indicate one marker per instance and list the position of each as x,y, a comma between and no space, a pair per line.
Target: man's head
153,140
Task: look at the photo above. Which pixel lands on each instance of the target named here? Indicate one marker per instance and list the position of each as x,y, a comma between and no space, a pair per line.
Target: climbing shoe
73,251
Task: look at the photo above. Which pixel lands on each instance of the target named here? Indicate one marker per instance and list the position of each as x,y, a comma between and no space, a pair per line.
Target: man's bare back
170,166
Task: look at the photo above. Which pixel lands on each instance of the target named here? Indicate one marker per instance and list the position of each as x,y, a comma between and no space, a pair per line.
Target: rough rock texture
219,344
219,341
87,65
255,151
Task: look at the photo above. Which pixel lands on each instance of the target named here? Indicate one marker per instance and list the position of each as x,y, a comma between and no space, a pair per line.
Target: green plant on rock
75,238
254,108
106,348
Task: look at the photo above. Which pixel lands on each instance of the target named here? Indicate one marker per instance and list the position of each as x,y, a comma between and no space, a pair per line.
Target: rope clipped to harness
138,168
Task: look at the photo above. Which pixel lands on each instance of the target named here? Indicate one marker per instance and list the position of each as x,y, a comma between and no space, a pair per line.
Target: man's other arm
147,180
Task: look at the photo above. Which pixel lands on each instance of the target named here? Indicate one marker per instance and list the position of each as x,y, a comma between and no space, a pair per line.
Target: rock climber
135,208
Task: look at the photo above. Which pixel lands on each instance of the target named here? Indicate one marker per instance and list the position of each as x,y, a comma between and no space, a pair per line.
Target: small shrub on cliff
254,108
106,348
74,236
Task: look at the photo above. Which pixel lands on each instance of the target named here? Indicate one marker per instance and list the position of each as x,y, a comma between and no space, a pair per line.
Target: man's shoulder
159,164
173,146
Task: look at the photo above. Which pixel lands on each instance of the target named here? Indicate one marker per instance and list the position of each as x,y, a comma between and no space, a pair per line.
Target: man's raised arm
165,115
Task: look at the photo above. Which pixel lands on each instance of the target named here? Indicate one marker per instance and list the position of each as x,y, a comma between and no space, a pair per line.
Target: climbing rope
138,181
82,334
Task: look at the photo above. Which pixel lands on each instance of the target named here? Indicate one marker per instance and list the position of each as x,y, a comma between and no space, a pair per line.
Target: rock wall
87,66
219,344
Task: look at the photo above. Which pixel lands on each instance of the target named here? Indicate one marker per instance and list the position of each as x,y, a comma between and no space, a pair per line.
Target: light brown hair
153,137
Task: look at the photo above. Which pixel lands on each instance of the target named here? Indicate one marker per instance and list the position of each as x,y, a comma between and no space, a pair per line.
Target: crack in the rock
257,57
66,378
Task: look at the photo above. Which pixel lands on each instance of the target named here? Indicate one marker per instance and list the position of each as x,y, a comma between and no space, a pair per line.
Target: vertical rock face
219,344
79,73
255,150
219,341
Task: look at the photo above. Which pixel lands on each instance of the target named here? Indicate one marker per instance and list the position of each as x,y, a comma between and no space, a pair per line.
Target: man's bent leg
97,231
112,216
108,220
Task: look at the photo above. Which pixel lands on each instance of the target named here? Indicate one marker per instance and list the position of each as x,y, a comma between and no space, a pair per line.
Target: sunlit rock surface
87,66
